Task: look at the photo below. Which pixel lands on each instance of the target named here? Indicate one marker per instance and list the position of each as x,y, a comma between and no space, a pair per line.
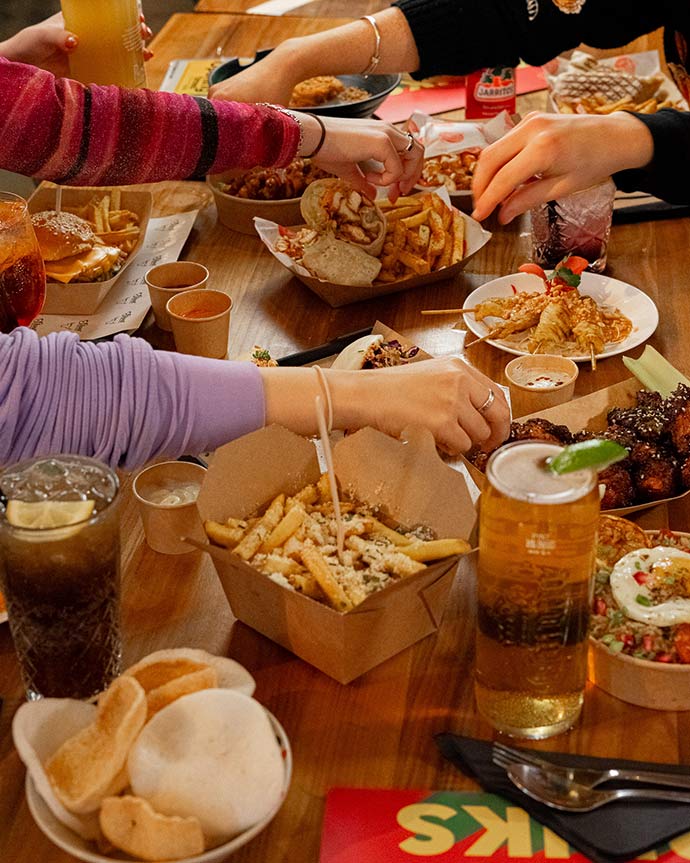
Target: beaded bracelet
376,56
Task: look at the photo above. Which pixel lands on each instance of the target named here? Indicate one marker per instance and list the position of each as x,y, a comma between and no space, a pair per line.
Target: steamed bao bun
212,755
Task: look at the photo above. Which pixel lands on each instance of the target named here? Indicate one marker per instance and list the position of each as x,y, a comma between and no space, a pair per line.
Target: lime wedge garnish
47,514
597,453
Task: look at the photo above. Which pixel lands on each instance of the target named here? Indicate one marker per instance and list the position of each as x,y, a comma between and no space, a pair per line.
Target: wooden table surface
377,731
310,8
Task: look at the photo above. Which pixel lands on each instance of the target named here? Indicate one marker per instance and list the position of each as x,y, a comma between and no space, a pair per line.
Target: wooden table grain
308,8
377,731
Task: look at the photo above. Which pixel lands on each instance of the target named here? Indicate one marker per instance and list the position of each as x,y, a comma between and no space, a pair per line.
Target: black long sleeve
460,36
668,175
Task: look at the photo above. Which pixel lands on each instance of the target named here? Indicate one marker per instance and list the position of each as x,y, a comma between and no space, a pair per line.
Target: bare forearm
441,395
348,49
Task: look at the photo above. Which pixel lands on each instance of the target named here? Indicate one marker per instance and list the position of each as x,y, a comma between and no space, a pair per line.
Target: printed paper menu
392,826
126,305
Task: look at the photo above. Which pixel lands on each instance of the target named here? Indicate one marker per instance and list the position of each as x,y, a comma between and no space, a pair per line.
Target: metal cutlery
504,756
561,793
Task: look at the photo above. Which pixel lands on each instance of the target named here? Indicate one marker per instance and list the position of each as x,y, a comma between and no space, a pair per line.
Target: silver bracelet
293,116
376,56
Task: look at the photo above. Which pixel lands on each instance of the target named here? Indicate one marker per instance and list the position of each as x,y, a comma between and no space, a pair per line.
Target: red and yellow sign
447,826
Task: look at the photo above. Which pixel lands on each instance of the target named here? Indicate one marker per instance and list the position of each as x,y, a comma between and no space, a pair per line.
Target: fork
504,756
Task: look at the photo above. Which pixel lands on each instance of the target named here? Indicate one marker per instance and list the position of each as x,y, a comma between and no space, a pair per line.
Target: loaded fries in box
407,518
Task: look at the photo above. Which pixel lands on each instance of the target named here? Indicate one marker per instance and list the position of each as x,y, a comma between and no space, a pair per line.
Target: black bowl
378,86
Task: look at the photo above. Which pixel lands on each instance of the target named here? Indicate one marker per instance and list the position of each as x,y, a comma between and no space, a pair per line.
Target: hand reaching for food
546,157
347,143
458,404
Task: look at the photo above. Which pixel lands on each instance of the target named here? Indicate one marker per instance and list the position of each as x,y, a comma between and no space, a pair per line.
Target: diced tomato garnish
576,264
628,640
283,231
599,606
535,269
664,657
681,641
641,577
647,643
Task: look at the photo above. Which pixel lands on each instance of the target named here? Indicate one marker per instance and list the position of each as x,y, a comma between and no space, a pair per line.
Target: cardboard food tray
642,63
407,480
342,295
589,412
84,298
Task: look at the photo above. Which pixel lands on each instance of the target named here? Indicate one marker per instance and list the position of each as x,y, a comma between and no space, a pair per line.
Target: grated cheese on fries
294,543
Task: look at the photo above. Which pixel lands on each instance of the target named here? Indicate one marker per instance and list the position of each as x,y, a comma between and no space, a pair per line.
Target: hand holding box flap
407,479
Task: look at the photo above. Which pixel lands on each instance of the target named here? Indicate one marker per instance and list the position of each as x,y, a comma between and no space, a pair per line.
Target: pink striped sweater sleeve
57,129
119,401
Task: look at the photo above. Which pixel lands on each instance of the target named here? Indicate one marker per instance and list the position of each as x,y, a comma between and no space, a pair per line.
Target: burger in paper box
71,250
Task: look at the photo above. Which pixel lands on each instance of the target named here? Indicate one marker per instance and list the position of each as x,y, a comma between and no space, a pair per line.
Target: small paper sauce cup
166,280
201,322
540,381
166,523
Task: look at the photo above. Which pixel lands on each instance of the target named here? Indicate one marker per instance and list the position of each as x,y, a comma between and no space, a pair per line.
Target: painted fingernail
71,42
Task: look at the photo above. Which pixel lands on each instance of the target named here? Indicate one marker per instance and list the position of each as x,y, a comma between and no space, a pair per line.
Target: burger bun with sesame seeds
71,250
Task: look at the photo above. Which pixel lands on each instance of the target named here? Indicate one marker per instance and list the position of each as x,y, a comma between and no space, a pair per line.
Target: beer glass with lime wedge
59,572
537,541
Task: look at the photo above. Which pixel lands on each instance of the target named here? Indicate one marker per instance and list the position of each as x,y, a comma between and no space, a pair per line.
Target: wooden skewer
448,311
481,339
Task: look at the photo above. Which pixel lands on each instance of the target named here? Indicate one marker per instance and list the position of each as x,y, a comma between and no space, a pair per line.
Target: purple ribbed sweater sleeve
119,401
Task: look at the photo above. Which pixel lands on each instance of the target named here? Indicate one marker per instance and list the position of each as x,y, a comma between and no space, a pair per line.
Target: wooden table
377,731
310,8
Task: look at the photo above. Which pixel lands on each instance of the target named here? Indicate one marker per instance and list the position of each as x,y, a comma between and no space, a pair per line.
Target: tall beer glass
22,274
537,544
110,49
60,573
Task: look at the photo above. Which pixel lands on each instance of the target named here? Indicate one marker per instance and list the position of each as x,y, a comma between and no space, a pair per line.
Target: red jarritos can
490,91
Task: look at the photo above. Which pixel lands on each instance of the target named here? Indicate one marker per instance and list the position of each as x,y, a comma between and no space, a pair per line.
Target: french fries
294,542
113,225
597,103
422,235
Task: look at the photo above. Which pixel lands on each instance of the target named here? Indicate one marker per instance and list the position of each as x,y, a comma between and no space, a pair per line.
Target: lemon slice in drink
47,514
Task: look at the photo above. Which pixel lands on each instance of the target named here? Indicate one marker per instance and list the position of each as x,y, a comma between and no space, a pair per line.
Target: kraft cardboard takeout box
84,298
406,479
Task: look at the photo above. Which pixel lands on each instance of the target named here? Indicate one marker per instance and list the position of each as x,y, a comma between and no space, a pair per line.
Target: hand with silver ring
487,404
410,143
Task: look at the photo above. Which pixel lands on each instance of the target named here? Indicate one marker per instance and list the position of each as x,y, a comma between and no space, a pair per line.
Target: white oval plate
631,301
66,839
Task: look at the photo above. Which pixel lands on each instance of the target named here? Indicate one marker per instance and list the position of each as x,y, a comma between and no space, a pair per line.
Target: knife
311,355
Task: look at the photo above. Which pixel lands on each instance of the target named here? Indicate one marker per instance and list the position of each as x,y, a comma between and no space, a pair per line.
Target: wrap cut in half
331,206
